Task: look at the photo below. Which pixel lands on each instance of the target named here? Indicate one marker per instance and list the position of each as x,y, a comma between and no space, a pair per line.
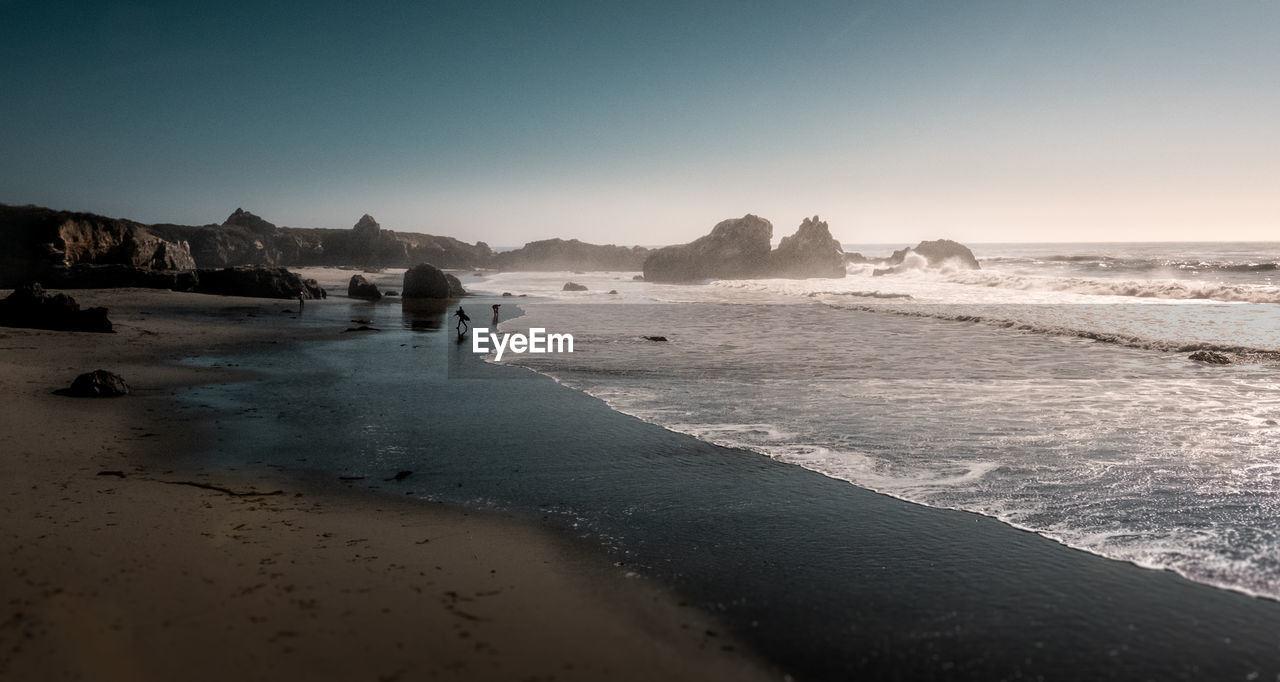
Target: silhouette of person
299,301
463,319
495,313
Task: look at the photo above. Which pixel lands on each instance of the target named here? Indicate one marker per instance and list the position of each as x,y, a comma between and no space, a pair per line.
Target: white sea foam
984,392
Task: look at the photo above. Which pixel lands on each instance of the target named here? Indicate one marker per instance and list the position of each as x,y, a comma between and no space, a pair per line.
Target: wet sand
117,566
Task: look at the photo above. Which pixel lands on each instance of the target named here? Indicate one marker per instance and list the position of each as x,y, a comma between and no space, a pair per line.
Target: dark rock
425,281
401,475
362,328
637,278
249,221
810,252
97,384
507,294
367,227
257,282
655,338
29,306
613,292
571,254
1210,357
455,286
572,286
938,253
359,287
390,292
735,249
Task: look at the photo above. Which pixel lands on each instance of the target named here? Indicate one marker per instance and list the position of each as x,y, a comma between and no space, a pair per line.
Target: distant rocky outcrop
810,252
30,306
573,286
359,287
257,282
425,281
97,384
571,254
940,252
249,221
735,249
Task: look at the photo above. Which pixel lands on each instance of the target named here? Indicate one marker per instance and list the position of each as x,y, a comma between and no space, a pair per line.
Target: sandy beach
120,566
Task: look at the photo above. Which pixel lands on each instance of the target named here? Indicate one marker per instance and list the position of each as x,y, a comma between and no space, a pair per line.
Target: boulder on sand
257,281
573,286
359,287
29,306
425,281
97,384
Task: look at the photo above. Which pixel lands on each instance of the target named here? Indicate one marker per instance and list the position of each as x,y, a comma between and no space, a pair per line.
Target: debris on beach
96,384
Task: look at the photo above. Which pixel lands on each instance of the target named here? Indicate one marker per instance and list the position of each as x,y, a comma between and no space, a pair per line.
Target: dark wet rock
1210,357
637,278
655,338
97,384
425,281
735,249
507,294
400,476
30,306
257,282
573,286
390,292
810,252
613,292
362,328
359,287
938,253
455,286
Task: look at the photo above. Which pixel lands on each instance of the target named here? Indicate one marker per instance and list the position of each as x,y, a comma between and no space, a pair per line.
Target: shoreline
116,577
825,579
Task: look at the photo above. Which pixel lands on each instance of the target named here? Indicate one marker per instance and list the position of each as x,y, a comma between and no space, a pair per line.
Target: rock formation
735,249
810,252
573,286
249,221
359,287
38,243
425,281
571,254
257,282
29,306
939,253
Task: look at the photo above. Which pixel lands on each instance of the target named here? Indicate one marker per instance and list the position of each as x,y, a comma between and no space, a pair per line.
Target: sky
648,122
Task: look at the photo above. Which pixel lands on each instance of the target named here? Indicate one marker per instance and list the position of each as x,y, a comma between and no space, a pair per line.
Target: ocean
1050,391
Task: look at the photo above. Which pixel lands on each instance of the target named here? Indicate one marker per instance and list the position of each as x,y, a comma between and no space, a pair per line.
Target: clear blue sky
647,122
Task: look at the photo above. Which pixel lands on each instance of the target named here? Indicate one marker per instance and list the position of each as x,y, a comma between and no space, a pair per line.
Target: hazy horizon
621,123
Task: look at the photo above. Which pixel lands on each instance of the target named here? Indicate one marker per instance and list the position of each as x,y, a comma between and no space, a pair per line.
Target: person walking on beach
463,319
495,313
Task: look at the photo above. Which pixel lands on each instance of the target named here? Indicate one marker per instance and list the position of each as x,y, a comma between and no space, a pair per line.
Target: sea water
1051,389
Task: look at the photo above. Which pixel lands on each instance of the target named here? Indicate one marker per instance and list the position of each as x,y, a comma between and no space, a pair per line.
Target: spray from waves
1135,264
1180,290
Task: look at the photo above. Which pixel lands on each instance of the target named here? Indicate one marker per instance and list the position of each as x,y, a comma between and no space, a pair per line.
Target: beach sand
139,574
